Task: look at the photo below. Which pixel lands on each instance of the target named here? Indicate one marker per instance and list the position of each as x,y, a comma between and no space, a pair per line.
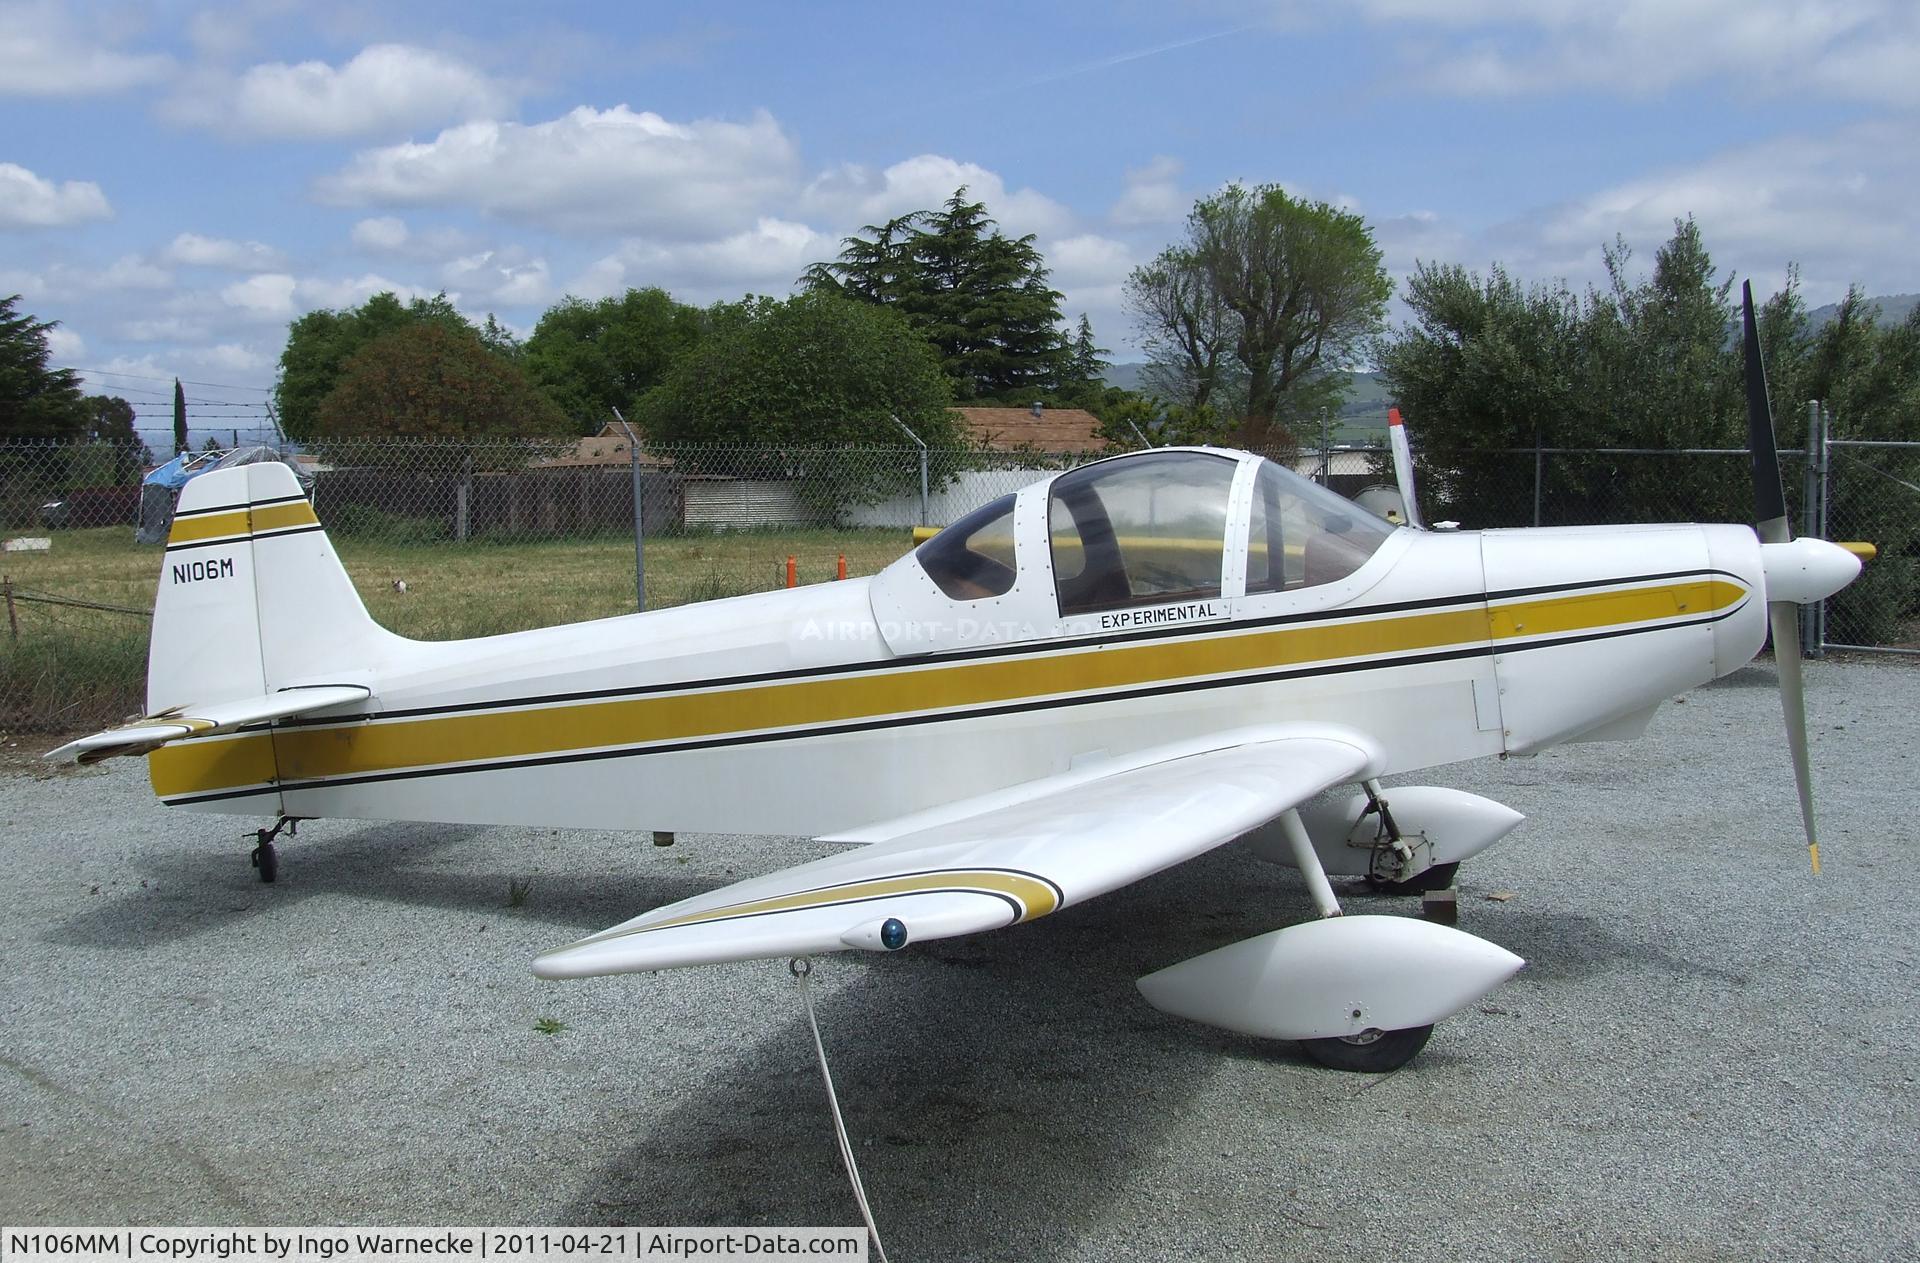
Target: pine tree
36,401
979,296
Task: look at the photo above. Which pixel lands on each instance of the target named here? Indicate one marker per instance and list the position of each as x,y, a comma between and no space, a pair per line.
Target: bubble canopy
1155,528
1150,540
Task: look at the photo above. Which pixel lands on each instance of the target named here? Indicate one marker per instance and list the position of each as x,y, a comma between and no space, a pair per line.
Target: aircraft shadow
999,1089
190,894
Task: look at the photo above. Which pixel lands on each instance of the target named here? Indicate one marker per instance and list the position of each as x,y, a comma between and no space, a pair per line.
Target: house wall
945,505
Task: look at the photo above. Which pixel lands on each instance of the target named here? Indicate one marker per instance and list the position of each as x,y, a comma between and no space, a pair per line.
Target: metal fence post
923,466
1811,524
463,501
1823,489
639,517
1539,472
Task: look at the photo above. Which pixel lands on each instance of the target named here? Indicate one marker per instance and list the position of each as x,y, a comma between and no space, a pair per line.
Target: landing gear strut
265,859
1372,1051
1433,877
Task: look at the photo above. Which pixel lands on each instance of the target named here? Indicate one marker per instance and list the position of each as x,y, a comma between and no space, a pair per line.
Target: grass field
74,668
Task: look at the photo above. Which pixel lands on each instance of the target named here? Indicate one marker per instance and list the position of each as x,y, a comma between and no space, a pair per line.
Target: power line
143,377
198,403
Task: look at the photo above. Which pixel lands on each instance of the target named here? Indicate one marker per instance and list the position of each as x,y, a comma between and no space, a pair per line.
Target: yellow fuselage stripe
305,754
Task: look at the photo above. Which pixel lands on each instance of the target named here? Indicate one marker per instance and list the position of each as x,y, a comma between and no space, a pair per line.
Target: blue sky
178,181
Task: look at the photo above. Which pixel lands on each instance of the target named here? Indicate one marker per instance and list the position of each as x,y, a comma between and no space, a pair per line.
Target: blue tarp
175,473
160,490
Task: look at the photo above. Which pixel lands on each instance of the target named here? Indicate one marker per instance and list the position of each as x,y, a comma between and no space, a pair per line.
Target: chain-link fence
1872,493
405,493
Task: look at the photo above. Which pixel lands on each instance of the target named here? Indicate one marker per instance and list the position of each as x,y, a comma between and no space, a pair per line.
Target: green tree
593,357
1304,290
109,419
36,401
1188,334
110,425
320,343
813,370
179,418
980,297
431,380
1131,421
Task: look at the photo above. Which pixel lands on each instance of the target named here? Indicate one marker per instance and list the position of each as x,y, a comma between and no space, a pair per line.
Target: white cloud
314,291
1863,50
589,169
500,277
129,271
234,359
392,236
270,295
766,258
1152,195
65,346
923,182
383,232
193,250
43,54
1844,205
27,201
1089,259
384,90
162,329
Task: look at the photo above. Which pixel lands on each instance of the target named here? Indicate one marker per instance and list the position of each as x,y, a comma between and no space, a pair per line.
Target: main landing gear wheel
1439,877
1371,1051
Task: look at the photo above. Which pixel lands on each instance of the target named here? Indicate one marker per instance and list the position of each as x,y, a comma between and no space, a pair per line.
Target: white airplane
1110,672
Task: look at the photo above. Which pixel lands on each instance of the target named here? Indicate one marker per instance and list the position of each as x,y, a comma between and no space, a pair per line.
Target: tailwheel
1372,1051
1438,877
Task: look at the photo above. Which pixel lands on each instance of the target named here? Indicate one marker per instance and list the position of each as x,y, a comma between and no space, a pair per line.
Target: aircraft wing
154,731
991,861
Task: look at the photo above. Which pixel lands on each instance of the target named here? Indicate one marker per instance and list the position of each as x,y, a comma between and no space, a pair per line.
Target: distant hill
1893,309
1125,376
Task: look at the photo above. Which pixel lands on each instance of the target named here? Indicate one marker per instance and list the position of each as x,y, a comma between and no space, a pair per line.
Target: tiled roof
1054,430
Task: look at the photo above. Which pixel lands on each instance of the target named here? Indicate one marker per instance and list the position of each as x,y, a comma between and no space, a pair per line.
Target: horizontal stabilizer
148,734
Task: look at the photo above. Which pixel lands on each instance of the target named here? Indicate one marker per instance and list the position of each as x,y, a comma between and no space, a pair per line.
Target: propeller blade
1403,468
1769,497
1785,619
1771,524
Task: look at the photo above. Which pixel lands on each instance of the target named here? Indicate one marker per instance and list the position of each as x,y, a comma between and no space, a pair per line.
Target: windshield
1143,530
1301,535
973,558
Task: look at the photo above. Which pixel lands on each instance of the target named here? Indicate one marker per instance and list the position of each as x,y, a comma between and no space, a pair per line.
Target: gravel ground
1711,1055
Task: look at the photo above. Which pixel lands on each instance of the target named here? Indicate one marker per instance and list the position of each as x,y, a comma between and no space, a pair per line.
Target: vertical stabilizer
252,597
